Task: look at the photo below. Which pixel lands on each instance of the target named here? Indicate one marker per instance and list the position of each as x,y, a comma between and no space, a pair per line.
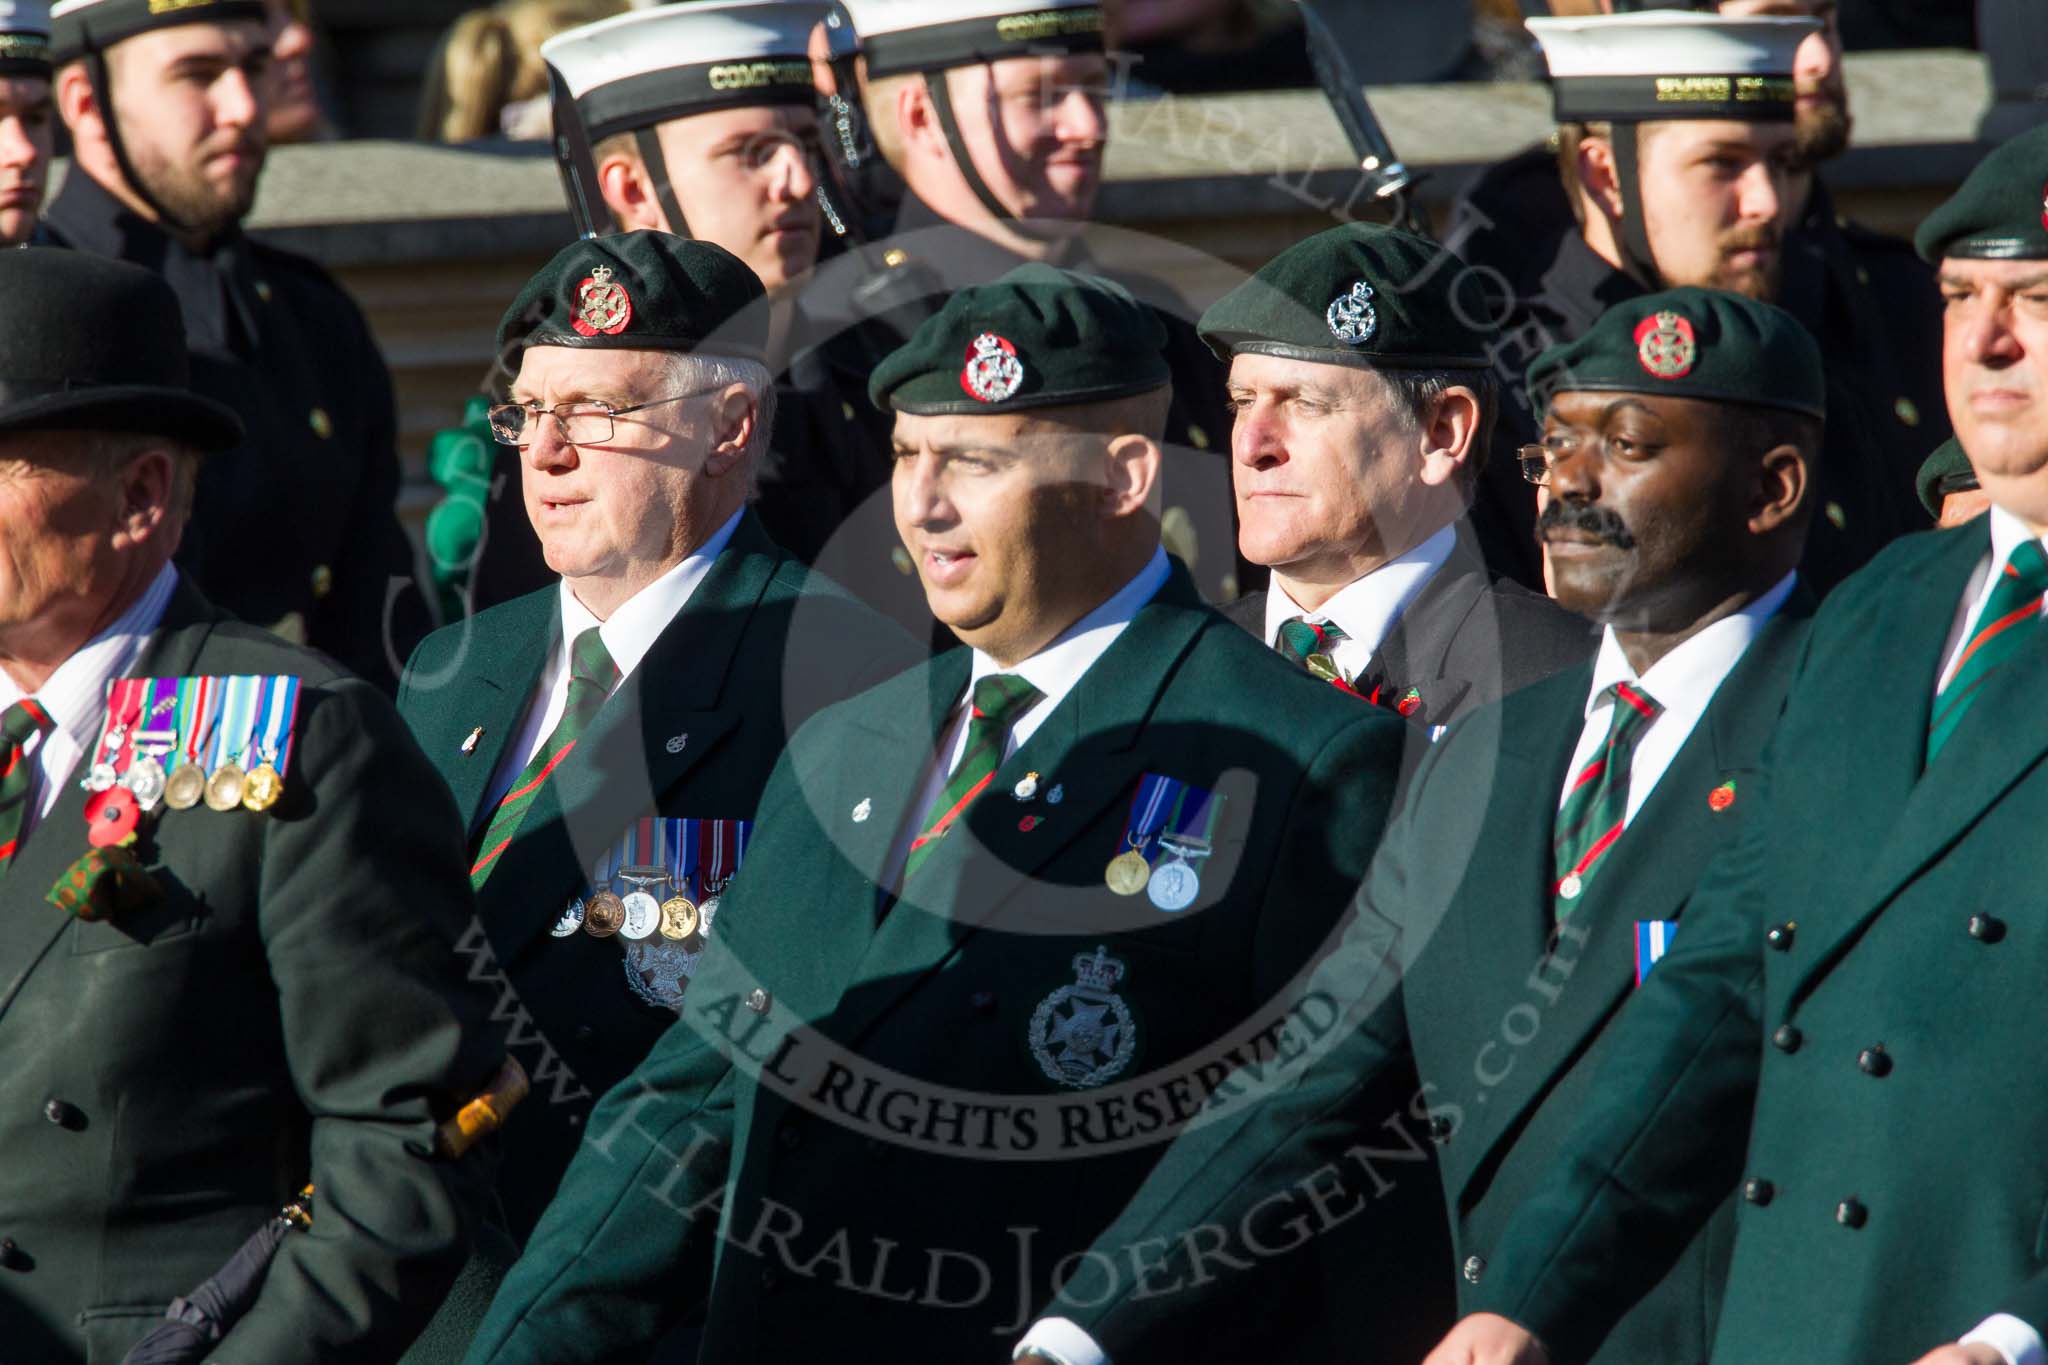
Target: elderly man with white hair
608,737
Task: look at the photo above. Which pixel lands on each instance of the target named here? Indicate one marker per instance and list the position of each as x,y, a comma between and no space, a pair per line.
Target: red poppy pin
1666,345
601,305
111,817
1410,702
1723,796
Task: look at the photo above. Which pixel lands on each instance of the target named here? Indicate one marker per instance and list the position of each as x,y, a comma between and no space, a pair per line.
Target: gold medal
224,788
262,788
603,914
184,787
1128,873
678,918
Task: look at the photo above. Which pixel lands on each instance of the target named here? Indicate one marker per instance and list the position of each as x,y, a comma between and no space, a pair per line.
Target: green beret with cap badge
2001,211
1691,343
1039,337
1360,295
640,291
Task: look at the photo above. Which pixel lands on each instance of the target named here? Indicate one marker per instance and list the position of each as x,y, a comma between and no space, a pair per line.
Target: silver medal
1173,886
643,916
571,920
145,777
705,912
101,777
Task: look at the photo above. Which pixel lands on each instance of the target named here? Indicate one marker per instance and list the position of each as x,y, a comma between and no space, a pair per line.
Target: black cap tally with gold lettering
83,27
24,38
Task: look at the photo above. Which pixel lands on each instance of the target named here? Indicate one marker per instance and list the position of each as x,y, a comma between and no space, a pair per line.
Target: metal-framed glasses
578,424
1538,460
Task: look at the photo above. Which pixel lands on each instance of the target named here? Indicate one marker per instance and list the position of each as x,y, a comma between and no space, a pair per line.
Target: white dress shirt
2007,531
1366,609
1054,671
628,634
1683,682
76,694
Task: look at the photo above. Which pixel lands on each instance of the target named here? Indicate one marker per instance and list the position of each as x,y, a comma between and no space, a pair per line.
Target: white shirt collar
1055,669
639,621
1683,682
2007,533
76,694
1367,608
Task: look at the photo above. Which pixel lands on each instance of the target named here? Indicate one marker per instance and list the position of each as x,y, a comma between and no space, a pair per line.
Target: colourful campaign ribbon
1653,940
1164,805
277,713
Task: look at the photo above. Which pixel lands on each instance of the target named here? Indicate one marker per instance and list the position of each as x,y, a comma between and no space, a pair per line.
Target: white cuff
2019,1343
1063,1343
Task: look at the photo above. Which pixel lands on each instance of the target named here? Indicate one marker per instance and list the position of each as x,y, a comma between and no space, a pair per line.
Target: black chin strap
575,163
649,145
103,96
942,105
1637,260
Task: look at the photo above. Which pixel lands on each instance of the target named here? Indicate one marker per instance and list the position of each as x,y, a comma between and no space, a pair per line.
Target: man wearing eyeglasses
608,736
1548,846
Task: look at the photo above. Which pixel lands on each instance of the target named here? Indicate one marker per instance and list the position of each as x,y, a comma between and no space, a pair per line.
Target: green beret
1360,295
1691,343
640,291
2000,213
1039,337
1946,471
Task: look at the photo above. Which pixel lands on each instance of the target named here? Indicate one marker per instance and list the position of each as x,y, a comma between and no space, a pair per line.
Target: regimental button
1197,437
1908,411
1987,928
65,1115
758,1000
983,1002
770,1281
1787,1038
12,1257
585,1034
846,411
894,257
790,1139
322,424
263,290
1837,518
1862,277
322,581
1759,1191
1850,1213
1475,1268
1875,1062
1439,1129
1780,936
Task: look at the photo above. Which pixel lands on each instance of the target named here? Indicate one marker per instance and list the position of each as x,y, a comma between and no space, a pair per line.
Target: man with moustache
1365,405
1678,509
295,530
28,120
988,898
1660,191
1855,974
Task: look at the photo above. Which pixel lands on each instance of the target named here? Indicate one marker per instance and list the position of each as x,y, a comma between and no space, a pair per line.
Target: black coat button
585,1033
790,1139
12,1257
1439,1130
1475,1267
1850,1213
68,1116
1787,1038
1780,937
1875,1061
983,1002
1759,1192
770,1281
1987,928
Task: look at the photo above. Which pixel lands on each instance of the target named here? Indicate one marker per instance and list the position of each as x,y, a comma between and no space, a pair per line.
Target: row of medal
691,862
1172,820
225,741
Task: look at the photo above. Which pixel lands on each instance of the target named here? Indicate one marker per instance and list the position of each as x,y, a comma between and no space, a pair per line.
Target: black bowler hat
92,344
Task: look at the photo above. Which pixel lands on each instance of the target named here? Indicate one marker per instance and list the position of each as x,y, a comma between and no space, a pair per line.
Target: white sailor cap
1669,64
642,68
930,35
24,38
79,27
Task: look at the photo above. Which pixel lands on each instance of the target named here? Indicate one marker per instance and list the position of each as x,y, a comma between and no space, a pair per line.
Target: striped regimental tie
592,676
1312,645
999,699
1596,807
19,723
2010,621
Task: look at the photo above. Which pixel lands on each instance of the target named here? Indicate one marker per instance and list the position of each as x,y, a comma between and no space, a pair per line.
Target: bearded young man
295,529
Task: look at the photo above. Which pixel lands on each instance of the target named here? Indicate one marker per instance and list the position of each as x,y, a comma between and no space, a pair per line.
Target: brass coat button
322,580
1908,412
322,424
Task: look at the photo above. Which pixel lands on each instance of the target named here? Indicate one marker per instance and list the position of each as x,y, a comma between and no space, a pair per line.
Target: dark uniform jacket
1868,300
911,1193
692,734
295,530
1461,964
1469,638
1840,1028
294,1008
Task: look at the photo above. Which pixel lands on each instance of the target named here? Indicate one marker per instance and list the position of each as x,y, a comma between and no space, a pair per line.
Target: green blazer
1455,963
693,733
294,1008
903,1174
1835,1032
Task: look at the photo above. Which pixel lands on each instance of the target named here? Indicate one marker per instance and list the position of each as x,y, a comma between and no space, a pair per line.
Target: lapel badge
1352,317
993,372
677,743
1665,345
469,740
1026,788
601,305
1082,1034
1409,703
1723,796
863,810
1028,823
1056,795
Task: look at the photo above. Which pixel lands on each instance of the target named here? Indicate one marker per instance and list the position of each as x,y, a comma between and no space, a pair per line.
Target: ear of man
623,184
734,413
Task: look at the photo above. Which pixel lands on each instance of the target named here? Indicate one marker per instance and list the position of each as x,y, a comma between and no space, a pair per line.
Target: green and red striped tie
1596,808
2011,620
592,676
999,699
19,723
